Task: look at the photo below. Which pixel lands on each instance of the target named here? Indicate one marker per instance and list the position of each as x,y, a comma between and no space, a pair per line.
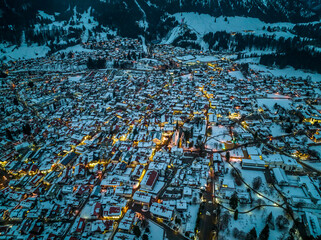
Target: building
149,180
161,211
312,225
280,176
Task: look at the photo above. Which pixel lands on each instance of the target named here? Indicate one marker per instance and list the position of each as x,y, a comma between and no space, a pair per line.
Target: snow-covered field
76,48
156,232
256,218
246,222
75,78
276,130
286,72
204,23
200,58
236,74
12,52
270,102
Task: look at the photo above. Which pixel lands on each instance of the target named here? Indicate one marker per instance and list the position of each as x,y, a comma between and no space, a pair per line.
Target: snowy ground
12,52
191,216
156,232
196,22
246,222
86,211
76,48
269,103
256,218
248,176
86,20
220,135
200,58
287,72
236,74
75,78
265,189
276,130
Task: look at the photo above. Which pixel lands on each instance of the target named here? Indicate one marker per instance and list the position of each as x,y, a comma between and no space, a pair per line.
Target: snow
186,58
236,74
276,130
277,96
12,52
75,78
207,58
144,43
234,24
286,72
142,23
172,35
191,215
76,48
256,218
315,164
200,58
44,15
316,148
247,221
269,103
86,211
86,20
151,4
156,232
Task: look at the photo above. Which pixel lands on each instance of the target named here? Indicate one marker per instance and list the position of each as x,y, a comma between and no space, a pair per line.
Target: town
122,140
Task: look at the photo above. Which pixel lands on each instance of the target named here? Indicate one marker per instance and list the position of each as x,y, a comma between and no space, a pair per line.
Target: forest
294,52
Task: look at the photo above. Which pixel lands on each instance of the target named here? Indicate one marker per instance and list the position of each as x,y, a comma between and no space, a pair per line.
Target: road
209,218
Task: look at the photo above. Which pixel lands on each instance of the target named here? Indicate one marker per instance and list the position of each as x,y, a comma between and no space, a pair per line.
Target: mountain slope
266,10
62,21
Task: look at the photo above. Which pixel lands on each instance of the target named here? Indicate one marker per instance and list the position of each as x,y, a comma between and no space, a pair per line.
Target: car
208,213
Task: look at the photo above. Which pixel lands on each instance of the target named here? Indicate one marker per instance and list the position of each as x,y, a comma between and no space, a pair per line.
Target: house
160,167
96,192
127,221
181,205
161,211
142,198
312,224
102,226
122,236
96,211
124,191
137,172
17,214
280,176
228,184
68,159
149,180
113,212
254,163
80,226
187,192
